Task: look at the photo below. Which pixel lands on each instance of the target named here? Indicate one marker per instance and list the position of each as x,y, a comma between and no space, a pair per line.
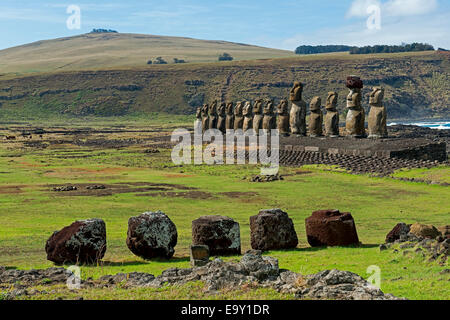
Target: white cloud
394,8
409,7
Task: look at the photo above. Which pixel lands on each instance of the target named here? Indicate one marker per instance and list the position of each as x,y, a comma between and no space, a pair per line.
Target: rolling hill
112,50
98,78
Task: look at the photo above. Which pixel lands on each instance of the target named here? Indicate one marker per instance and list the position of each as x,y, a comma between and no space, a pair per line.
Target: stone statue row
263,116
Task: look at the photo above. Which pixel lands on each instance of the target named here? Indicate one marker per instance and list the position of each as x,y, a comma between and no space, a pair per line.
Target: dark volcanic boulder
331,228
400,231
152,235
271,230
221,234
82,242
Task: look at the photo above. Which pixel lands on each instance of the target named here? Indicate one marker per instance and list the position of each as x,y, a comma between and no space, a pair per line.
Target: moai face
354,99
315,104
229,108
283,107
205,110
296,91
376,97
268,109
238,109
198,113
332,100
257,108
247,109
221,109
213,108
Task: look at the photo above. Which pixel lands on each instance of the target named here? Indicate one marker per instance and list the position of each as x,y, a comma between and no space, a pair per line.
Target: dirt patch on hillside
102,190
196,195
11,189
234,194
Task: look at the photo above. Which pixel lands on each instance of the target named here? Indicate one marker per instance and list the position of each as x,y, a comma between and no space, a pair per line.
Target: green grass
439,174
31,212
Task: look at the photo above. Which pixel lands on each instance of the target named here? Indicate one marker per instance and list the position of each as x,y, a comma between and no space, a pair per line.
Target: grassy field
31,211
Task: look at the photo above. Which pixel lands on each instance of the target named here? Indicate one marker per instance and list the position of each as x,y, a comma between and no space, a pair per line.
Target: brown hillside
417,85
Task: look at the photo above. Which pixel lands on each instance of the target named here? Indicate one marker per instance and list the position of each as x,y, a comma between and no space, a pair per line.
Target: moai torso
355,121
377,114
332,116
257,115
213,115
229,122
269,117
297,119
283,117
205,117
238,116
315,118
222,117
248,116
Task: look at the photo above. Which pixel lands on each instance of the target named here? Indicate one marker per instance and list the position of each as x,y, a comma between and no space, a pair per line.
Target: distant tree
442,49
149,62
225,57
322,49
176,60
413,47
103,31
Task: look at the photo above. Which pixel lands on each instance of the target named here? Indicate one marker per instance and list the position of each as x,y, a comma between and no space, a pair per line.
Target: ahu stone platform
402,148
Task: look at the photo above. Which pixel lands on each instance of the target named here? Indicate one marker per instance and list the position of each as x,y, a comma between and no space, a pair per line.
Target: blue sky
281,24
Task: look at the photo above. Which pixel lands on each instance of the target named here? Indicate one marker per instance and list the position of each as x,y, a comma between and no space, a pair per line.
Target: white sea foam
439,125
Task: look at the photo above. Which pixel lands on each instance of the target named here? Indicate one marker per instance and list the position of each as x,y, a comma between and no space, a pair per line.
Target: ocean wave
439,125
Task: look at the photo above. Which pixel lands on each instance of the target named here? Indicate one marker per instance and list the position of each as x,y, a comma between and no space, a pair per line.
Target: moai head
205,110
229,108
282,108
268,108
296,91
315,104
257,107
376,97
238,109
332,99
221,109
247,111
198,113
355,85
213,108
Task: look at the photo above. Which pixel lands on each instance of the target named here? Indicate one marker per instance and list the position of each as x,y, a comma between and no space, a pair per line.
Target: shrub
225,57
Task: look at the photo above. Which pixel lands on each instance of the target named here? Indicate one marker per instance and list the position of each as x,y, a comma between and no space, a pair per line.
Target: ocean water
440,125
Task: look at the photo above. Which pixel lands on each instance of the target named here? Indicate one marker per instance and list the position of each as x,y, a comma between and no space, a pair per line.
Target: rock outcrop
152,235
331,228
221,234
83,242
272,230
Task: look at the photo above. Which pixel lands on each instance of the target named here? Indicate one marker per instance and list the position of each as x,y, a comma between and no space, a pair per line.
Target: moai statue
257,115
198,119
283,118
355,122
377,114
205,117
269,120
238,116
222,117
332,116
248,116
297,118
213,115
229,119
315,118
